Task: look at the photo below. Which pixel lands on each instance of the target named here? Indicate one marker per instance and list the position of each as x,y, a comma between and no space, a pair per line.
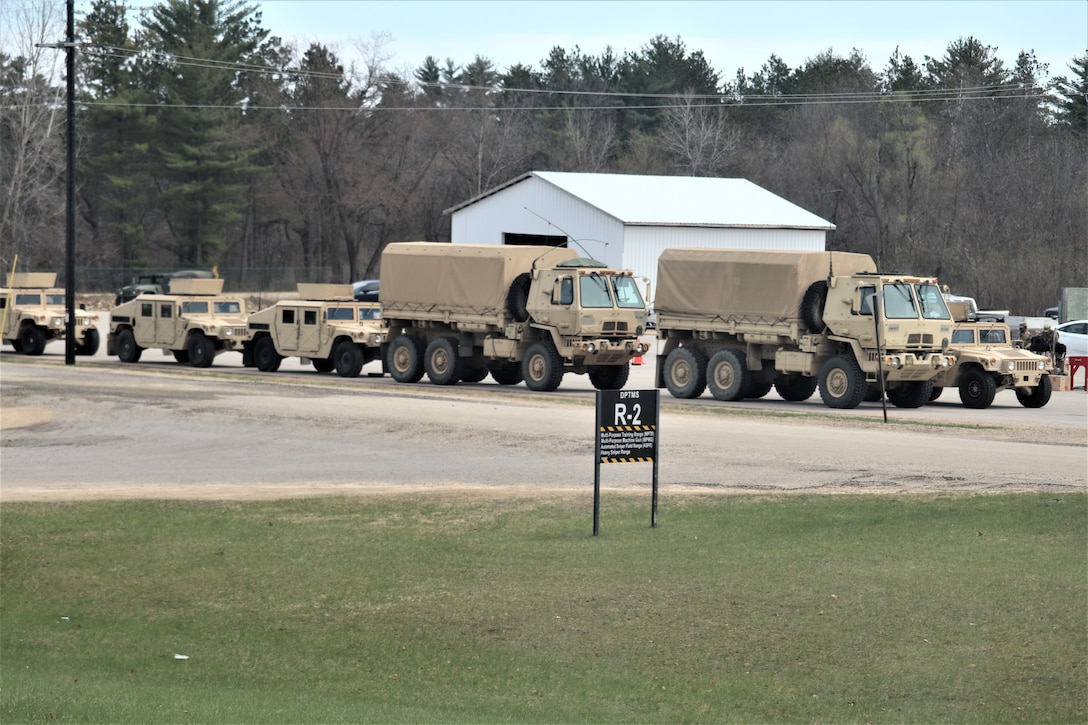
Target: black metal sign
627,423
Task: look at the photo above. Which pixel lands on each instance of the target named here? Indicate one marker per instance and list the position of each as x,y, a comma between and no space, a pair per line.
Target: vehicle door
10,323
309,337
286,334
166,320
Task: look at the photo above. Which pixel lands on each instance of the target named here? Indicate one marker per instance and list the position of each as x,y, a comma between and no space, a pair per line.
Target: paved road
1066,410
157,429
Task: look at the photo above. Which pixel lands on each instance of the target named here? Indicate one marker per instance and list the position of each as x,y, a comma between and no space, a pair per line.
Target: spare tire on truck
517,299
812,306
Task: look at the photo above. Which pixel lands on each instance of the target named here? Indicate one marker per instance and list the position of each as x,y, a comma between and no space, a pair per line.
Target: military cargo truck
326,326
532,313
986,362
740,322
34,313
195,322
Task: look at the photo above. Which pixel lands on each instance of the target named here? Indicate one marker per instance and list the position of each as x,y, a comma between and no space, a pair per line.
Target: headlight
1042,365
228,331
1011,366
58,322
591,348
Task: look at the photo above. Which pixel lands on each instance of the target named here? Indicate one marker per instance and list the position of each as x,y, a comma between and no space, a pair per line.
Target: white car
1074,335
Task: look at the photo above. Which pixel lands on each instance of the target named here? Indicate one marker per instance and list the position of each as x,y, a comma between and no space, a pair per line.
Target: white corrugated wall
643,245
534,206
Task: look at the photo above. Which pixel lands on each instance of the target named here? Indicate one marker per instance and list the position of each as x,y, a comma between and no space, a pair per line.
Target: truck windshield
932,303
594,290
228,307
369,313
25,298
192,307
54,299
899,302
626,291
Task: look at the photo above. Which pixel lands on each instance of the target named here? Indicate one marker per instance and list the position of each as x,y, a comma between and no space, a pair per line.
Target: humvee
987,362
326,325
34,312
195,322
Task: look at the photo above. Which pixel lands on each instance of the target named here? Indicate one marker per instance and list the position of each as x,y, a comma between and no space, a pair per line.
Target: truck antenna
566,234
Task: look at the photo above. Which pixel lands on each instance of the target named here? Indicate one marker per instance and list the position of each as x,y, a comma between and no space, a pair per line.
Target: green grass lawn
446,608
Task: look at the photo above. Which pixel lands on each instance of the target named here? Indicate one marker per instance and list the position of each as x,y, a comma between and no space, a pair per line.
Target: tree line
204,140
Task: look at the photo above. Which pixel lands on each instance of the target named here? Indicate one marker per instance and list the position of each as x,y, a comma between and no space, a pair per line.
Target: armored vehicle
34,313
740,322
986,362
532,313
195,323
326,325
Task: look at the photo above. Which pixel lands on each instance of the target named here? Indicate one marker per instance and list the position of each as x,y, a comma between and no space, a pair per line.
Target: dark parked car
366,290
156,283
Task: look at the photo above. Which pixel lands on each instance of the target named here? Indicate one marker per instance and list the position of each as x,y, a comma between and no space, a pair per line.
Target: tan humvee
326,326
987,362
195,322
33,313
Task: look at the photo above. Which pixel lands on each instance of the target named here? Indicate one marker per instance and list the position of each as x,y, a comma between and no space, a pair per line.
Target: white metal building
626,221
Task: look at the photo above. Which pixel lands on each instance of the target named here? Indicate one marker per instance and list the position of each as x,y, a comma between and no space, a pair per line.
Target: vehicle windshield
54,299
932,303
593,289
26,298
899,302
626,291
194,307
963,337
340,313
228,307
369,313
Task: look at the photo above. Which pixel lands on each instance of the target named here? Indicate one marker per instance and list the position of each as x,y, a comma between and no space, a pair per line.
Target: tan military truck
34,313
532,313
742,321
325,325
987,362
195,322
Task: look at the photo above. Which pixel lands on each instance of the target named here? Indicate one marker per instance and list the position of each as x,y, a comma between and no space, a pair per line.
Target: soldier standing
1025,336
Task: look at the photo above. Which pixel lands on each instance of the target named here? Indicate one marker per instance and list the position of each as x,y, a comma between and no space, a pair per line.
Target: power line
984,92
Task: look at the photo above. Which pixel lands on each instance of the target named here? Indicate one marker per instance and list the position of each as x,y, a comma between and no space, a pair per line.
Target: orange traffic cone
638,358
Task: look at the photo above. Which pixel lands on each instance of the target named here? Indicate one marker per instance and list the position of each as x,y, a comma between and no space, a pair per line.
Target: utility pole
70,241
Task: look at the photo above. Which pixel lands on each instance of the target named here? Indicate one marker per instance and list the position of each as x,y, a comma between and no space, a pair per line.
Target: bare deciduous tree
32,121
698,135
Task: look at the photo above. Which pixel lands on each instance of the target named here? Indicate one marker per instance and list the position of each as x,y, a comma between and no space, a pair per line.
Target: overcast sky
731,34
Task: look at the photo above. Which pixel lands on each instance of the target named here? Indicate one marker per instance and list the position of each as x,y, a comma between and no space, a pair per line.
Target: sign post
627,423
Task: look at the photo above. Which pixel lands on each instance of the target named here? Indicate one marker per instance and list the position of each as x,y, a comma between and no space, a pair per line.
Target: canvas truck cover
472,278
746,284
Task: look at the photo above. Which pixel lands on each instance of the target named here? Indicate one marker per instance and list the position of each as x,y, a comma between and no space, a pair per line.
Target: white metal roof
675,200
